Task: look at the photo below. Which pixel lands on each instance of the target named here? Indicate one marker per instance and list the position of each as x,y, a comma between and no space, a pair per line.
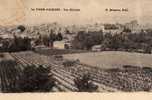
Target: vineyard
9,73
127,79
64,76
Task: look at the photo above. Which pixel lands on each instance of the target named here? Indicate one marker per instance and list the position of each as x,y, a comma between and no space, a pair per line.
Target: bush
84,84
8,75
36,79
1,55
85,40
58,57
69,63
59,37
126,41
17,44
21,28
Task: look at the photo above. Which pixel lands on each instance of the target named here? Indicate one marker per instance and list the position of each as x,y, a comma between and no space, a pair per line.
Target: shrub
1,55
58,57
21,28
17,44
36,79
69,63
85,40
8,75
84,84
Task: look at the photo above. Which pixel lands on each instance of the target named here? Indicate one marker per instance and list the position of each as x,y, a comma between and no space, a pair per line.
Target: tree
5,45
127,30
78,41
66,46
67,31
85,40
36,79
84,84
46,40
21,28
147,49
9,67
16,44
117,41
52,38
59,37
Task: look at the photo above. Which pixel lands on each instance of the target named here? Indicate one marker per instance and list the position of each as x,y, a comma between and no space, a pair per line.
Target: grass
112,59
5,56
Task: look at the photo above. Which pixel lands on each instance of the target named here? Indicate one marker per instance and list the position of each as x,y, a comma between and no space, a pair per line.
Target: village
67,33
76,58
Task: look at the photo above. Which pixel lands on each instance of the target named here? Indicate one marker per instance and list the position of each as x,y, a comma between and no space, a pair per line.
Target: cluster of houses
69,32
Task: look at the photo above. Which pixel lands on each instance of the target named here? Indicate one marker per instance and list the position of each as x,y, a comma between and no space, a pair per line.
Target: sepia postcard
88,49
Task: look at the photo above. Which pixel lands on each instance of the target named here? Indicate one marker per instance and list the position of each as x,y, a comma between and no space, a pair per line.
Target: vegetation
87,40
21,28
30,79
9,75
48,40
84,84
140,42
16,44
110,26
127,78
69,63
36,79
1,55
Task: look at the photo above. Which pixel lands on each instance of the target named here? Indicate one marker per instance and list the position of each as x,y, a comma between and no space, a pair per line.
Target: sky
91,11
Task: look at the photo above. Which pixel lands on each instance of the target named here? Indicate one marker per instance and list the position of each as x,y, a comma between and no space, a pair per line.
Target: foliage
17,44
127,41
110,26
84,84
48,40
36,79
126,30
69,63
8,81
21,28
45,40
85,40
59,37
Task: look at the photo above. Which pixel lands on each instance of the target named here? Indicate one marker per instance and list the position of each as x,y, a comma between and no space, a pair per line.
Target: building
96,48
133,26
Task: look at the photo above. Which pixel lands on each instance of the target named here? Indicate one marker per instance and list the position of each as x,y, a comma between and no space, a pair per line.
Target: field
50,52
112,59
128,79
64,76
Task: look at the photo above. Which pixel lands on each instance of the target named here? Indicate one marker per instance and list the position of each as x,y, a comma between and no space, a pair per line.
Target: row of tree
36,79
39,79
48,40
85,40
16,44
124,40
